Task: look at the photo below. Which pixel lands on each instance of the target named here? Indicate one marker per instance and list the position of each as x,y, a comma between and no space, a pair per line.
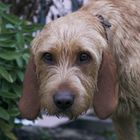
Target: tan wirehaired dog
88,58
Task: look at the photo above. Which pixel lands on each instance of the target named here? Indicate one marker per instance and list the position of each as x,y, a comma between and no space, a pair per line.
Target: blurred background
20,20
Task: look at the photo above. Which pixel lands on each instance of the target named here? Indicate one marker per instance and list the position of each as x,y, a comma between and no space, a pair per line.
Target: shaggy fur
83,31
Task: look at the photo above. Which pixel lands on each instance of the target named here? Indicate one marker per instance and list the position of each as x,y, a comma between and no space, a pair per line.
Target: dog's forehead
69,29
71,32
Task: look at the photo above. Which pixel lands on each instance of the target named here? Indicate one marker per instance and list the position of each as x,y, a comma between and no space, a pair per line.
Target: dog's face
67,62
67,56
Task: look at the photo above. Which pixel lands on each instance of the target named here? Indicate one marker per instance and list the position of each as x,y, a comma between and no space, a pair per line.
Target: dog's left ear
29,104
106,98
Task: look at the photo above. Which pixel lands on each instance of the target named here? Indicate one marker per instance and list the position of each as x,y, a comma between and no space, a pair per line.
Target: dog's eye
84,57
48,58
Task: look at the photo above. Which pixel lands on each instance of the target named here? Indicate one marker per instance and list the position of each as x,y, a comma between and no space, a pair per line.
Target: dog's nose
63,99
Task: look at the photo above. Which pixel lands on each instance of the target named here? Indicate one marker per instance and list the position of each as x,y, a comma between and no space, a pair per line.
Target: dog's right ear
29,104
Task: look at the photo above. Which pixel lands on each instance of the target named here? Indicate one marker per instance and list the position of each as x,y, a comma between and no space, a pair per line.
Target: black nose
63,99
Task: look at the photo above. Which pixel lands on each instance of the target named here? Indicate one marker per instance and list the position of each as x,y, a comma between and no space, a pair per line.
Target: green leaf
4,86
26,57
30,28
14,74
5,75
9,26
5,126
20,40
14,112
11,18
7,43
4,7
19,63
4,114
10,55
17,89
8,95
7,130
20,75
10,135
6,36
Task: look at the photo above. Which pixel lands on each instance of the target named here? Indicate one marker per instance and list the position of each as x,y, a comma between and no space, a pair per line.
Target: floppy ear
29,104
106,97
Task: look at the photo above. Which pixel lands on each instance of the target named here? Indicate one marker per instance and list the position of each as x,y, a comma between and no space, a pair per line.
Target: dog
89,58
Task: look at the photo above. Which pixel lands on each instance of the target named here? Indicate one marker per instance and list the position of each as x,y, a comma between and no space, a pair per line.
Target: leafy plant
15,37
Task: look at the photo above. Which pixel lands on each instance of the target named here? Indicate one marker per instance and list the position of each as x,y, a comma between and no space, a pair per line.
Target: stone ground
85,128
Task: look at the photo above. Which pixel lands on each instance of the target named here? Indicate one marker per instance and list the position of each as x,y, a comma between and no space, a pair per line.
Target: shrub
15,37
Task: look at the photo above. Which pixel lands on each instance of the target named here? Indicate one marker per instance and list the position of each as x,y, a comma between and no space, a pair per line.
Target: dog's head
70,69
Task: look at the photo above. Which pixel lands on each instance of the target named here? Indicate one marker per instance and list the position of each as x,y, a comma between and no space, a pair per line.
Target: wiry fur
82,31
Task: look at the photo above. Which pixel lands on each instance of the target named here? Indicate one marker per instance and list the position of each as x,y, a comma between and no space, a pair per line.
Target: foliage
15,37
32,10
24,8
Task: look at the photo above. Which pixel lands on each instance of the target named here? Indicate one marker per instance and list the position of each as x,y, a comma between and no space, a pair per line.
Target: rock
84,128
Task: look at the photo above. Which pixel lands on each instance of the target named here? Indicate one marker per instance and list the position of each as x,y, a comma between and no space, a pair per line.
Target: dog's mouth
66,113
59,113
